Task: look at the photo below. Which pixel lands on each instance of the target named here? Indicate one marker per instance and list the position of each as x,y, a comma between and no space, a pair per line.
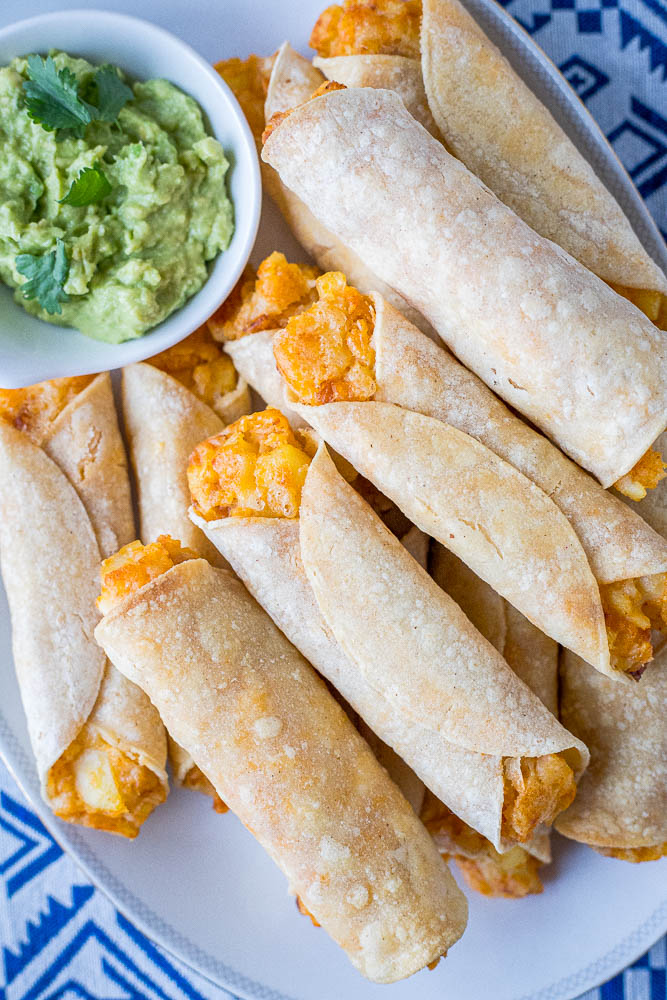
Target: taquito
372,621
534,658
171,402
621,805
264,87
99,744
494,124
547,335
280,750
348,352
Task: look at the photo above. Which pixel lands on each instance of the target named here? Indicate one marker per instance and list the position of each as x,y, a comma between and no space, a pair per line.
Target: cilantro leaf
46,277
52,97
92,185
112,93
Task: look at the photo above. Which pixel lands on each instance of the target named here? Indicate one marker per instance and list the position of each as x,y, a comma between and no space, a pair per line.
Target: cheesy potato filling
266,300
199,364
256,467
368,27
645,475
651,302
631,609
198,782
135,565
508,876
34,408
95,784
324,354
249,81
536,789
634,854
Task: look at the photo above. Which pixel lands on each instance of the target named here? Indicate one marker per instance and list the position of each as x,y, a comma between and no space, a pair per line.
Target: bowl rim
212,293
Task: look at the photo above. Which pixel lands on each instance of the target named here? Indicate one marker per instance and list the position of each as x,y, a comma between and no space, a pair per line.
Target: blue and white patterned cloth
61,938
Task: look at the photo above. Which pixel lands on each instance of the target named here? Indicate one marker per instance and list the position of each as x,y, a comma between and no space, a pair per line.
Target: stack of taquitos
349,596
500,295
265,731
534,657
171,402
492,122
65,496
351,355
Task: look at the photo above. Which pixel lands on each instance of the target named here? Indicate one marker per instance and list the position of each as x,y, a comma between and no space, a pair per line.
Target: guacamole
128,259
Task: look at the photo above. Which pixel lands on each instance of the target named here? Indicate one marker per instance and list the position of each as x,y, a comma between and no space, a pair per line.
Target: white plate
196,882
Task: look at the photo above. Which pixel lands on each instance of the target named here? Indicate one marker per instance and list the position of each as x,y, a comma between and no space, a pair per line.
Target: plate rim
20,766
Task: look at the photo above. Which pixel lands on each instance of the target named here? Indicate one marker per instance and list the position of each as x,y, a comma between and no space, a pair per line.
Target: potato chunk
256,467
357,27
135,565
266,300
97,785
651,302
636,855
645,475
34,408
537,789
324,354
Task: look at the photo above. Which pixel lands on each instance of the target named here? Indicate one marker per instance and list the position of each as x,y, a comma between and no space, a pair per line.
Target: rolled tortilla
99,744
265,731
420,715
534,658
169,404
627,557
621,805
498,294
495,125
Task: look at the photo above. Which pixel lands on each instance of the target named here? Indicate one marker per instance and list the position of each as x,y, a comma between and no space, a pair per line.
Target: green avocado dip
145,201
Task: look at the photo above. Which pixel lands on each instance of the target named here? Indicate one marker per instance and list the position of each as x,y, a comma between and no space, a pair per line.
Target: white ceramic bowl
31,350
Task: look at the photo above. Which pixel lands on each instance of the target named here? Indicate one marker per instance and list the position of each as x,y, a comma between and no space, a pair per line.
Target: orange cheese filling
636,855
631,609
370,27
324,354
33,409
198,782
256,467
506,876
651,302
199,364
537,789
645,475
265,301
135,565
249,81
97,785
280,116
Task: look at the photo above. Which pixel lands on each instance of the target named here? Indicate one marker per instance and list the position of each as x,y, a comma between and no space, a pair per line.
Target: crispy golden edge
34,408
265,300
135,565
324,353
256,467
635,855
645,475
139,788
368,27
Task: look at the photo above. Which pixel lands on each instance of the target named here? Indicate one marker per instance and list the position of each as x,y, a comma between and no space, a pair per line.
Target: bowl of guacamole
129,193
